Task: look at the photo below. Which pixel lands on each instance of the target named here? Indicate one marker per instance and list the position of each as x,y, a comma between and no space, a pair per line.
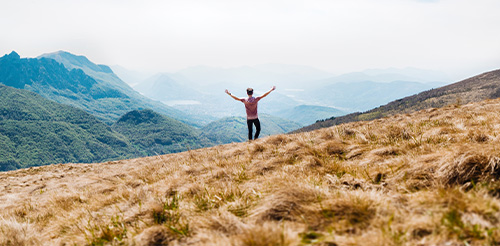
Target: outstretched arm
267,93
231,95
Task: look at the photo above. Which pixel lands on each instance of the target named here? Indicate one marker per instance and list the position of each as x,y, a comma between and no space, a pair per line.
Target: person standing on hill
251,109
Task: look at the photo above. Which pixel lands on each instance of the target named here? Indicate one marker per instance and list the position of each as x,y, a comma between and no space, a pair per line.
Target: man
251,109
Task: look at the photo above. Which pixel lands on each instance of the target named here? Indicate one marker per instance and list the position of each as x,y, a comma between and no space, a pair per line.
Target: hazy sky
461,37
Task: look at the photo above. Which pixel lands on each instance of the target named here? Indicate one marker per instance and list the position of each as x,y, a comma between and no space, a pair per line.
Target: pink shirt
251,107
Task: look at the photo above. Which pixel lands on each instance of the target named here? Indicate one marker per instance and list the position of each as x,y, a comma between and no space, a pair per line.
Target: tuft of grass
258,148
311,237
239,209
350,214
265,235
155,235
469,167
169,215
465,232
478,137
14,232
102,234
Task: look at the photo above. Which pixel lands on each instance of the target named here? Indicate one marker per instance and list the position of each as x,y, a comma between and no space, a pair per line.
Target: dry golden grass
427,178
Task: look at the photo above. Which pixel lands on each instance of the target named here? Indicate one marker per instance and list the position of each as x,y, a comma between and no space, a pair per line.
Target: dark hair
249,91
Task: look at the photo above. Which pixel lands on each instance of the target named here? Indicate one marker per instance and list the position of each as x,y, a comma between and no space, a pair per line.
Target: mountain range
61,108
111,106
104,95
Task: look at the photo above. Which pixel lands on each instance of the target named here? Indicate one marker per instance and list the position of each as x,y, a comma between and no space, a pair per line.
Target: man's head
249,91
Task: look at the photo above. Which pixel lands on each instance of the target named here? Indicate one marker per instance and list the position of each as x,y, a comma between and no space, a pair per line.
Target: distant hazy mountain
364,90
163,87
363,95
477,88
220,105
388,75
408,74
308,114
155,134
211,103
202,88
284,76
35,131
129,76
234,129
116,97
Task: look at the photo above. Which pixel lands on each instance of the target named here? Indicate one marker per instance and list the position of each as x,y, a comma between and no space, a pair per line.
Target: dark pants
256,122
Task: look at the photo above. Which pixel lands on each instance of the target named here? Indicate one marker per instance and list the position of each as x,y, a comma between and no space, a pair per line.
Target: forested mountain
234,129
154,134
35,131
474,89
110,107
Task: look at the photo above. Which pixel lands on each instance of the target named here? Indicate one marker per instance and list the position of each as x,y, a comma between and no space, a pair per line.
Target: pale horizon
457,37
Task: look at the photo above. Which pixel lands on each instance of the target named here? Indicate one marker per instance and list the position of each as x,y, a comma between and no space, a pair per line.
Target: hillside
235,129
475,89
425,178
110,107
35,131
155,134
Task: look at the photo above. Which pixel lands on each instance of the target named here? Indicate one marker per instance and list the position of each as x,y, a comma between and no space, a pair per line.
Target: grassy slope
475,89
424,178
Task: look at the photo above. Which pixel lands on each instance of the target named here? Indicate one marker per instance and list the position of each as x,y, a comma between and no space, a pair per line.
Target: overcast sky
460,37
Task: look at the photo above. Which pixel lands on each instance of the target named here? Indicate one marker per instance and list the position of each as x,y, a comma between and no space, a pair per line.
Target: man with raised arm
251,109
